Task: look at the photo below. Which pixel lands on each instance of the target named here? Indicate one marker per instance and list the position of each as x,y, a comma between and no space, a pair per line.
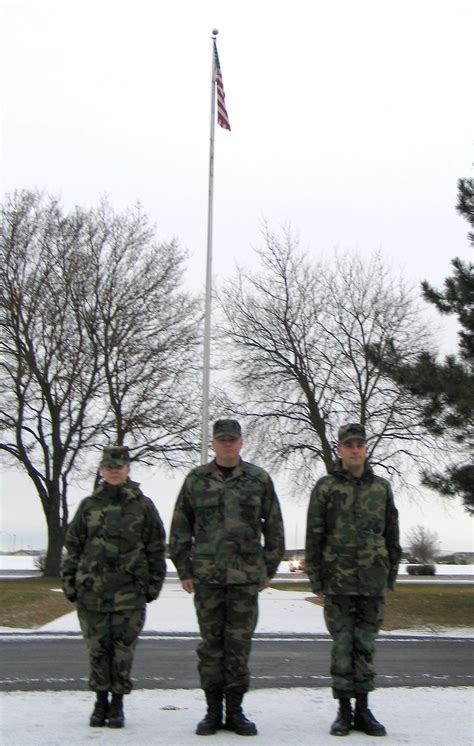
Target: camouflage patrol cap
350,431
226,429
115,456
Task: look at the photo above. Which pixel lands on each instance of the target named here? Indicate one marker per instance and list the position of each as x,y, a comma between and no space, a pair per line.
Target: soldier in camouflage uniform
222,512
115,564
352,556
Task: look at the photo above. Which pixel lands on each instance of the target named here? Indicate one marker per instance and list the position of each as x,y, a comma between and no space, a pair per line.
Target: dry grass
428,605
31,602
418,605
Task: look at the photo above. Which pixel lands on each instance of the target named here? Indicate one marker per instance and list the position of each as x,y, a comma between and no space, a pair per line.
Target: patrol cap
115,456
226,429
350,431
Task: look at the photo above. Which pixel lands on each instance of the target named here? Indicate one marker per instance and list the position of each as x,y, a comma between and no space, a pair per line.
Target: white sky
351,121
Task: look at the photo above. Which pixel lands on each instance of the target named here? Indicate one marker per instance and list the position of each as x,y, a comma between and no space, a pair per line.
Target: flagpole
208,294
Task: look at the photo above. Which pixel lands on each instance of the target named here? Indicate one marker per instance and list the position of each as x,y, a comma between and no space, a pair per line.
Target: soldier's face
353,454
115,474
227,450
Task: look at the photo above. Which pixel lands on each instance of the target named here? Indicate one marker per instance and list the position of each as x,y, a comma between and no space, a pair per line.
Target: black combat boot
234,717
100,712
213,719
364,720
116,716
342,724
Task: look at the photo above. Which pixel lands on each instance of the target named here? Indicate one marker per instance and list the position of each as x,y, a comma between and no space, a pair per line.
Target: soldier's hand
320,595
264,584
188,586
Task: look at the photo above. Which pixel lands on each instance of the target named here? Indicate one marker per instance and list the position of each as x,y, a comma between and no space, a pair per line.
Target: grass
27,603
417,606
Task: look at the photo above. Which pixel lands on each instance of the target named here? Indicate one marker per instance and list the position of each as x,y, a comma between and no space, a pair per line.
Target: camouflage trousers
227,617
111,639
353,622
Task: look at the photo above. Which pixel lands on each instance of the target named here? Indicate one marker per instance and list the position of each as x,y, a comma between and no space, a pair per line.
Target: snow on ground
279,611
285,612
413,717
434,716
26,562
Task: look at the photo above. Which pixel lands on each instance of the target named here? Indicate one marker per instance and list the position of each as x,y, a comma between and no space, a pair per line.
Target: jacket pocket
250,547
204,549
252,566
203,561
250,506
207,519
205,503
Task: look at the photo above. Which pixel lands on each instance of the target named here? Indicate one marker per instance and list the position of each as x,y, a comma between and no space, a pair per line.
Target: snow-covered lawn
413,717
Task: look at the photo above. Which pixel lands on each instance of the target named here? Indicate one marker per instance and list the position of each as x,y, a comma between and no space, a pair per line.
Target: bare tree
145,330
97,345
296,335
49,372
422,544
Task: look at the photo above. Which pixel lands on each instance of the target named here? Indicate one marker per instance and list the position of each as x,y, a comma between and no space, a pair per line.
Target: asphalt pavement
58,661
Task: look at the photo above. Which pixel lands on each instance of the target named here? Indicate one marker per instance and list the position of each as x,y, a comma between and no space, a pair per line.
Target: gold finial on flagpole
215,31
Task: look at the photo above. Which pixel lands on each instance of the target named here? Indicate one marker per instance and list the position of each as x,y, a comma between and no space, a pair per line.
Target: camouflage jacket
352,535
115,550
218,525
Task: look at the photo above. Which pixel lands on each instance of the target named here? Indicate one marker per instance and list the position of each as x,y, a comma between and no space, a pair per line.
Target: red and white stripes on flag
222,116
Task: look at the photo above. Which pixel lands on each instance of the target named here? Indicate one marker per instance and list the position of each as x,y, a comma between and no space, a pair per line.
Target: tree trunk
56,534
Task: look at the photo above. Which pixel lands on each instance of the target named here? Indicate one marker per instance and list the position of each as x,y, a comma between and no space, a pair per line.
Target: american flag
222,116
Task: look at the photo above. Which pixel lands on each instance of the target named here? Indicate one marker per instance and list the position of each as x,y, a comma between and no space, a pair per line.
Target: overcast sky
350,120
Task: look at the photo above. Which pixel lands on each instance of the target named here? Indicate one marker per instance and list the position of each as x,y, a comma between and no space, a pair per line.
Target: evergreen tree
447,387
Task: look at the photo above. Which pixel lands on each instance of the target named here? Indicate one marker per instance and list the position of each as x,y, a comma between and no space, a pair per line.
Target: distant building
455,558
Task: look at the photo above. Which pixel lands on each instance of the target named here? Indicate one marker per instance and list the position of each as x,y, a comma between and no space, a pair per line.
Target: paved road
301,577
401,579
292,577
59,661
